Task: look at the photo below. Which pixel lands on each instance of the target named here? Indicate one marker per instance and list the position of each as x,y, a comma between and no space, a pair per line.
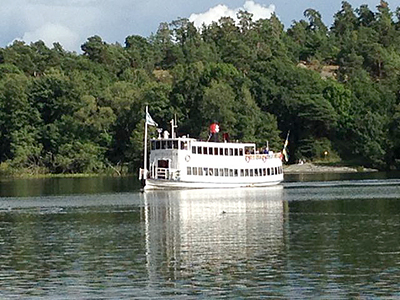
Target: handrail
165,173
263,156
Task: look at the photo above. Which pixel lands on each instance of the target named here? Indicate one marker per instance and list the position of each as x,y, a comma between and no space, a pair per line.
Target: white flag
150,121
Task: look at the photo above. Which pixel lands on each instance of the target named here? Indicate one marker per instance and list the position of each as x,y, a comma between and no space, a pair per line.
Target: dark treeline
336,89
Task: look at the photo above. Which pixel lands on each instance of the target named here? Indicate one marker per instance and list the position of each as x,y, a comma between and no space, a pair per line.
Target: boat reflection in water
208,232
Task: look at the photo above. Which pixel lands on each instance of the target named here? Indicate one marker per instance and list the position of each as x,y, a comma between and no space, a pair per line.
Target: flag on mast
150,121
284,151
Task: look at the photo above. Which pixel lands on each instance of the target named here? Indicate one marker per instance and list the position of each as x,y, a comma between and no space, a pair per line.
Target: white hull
187,163
160,184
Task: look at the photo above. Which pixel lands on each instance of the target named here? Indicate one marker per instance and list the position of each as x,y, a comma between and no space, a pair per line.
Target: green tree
18,123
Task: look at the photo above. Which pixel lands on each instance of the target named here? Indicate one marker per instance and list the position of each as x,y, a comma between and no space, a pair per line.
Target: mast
145,147
173,126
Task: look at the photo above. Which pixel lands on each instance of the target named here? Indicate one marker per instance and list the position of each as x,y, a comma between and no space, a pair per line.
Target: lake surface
314,236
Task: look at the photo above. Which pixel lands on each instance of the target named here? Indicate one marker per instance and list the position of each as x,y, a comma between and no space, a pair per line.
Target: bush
318,151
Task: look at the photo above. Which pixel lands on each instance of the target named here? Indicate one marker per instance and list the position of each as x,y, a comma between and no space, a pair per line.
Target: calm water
315,236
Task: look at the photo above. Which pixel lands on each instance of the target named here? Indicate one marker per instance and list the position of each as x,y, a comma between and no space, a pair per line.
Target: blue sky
71,22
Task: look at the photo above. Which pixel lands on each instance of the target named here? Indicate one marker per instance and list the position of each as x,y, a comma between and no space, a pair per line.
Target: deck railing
165,173
263,156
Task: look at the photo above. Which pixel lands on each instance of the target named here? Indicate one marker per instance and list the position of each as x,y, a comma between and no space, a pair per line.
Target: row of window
221,151
226,172
217,151
171,144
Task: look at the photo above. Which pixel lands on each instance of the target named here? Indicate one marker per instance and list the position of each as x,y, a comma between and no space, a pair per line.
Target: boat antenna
176,126
173,126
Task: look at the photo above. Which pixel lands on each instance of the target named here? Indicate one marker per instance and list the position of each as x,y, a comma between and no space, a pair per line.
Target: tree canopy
337,90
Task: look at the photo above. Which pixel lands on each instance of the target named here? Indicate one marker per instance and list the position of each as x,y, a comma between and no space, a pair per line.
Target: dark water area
32,187
314,236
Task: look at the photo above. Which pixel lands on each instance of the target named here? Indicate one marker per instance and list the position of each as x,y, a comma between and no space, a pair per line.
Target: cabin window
189,170
241,152
162,164
194,149
194,171
264,172
205,171
210,151
249,150
205,150
221,172
260,172
276,171
153,145
184,145
200,171
272,171
226,172
255,172
175,144
241,172
215,151
231,151
226,151
158,145
199,150
268,171
246,172
164,144
221,151
231,172
216,172
236,172
236,152
251,172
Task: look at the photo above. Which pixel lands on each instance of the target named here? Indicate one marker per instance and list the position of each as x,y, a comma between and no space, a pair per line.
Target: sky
71,22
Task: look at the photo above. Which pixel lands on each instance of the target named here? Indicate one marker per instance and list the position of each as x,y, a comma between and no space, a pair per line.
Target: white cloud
259,11
65,22
50,33
215,13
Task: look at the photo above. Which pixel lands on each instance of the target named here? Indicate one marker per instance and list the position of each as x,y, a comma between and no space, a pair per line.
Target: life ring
264,158
187,158
247,158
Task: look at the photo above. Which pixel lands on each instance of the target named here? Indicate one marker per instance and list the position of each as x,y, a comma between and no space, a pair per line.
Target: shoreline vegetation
336,90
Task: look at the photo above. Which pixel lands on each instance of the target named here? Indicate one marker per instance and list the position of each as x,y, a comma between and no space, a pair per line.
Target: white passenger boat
184,162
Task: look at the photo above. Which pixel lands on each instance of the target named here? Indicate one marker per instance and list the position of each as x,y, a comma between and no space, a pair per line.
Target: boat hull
159,184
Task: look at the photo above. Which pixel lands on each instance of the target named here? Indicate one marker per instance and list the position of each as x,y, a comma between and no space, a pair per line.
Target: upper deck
202,147
190,146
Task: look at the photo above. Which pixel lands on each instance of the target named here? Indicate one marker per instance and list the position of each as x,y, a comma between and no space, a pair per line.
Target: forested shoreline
337,90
